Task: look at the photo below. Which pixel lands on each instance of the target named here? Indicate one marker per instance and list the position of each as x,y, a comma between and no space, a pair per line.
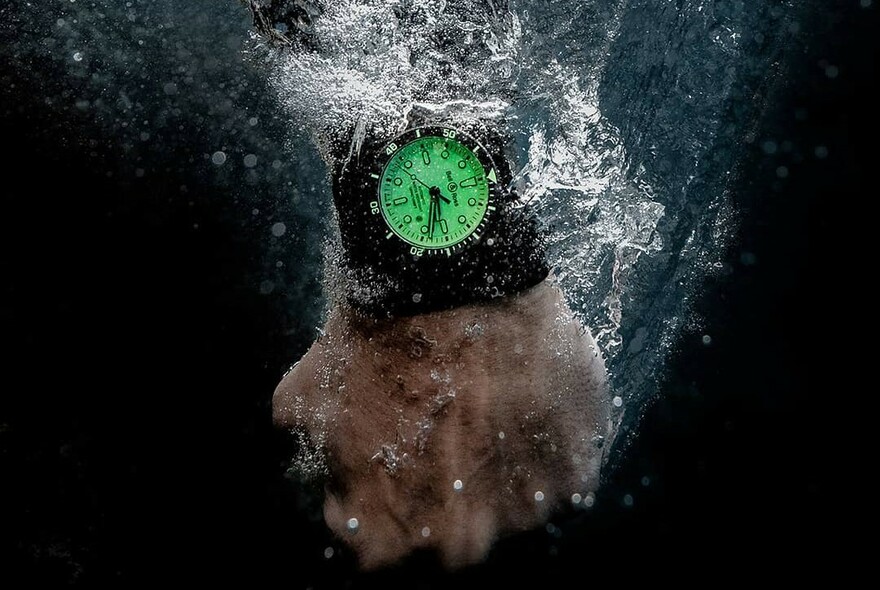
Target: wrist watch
437,190
428,222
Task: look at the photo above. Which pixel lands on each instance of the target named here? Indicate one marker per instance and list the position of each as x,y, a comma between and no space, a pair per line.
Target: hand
447,430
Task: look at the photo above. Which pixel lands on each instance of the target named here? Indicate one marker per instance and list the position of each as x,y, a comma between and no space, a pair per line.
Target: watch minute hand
431,218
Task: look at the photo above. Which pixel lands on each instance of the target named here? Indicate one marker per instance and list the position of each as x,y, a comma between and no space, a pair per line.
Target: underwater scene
350,293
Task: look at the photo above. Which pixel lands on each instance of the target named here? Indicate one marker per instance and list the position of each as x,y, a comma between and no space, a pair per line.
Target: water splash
635,201
601,217
371,63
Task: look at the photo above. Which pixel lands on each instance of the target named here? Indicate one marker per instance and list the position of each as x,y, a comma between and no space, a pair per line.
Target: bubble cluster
368,63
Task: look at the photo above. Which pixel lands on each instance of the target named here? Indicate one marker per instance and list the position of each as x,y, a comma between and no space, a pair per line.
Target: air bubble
266,287
353,525
219,158
457,485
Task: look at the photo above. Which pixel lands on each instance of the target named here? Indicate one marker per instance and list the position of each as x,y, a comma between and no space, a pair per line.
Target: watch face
436,190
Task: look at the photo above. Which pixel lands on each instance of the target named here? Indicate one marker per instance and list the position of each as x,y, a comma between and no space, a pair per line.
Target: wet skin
447,430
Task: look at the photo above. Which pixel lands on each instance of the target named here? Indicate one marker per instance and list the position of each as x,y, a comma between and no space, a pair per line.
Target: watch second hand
430,188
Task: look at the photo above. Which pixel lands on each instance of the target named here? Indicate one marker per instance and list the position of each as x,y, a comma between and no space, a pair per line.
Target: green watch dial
434,190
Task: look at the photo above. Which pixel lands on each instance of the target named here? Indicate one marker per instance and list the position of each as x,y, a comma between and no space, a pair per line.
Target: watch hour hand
435,193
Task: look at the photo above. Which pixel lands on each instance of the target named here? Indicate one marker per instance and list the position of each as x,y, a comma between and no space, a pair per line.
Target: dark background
141,343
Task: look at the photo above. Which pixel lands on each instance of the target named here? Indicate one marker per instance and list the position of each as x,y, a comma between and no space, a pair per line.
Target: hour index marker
470,182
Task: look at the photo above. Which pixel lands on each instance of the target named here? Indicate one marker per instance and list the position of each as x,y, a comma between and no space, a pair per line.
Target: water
628,119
